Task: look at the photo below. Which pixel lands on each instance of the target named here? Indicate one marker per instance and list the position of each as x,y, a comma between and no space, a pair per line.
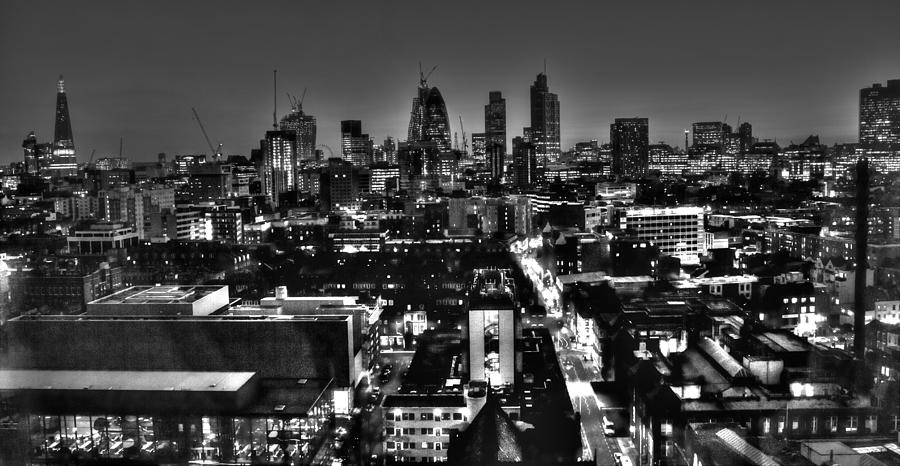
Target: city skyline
803,89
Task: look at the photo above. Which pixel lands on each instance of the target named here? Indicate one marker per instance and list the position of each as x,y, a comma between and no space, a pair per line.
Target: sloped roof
491,438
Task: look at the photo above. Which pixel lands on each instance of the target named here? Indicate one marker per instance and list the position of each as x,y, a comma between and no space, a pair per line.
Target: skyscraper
497,160
279,163
495,120
630,138
428,119
63,162
879,114
544,120
305,127
745,133
436,125
37,155
356,147
525,163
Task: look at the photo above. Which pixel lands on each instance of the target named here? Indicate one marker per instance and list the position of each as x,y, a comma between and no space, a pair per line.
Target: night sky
135,69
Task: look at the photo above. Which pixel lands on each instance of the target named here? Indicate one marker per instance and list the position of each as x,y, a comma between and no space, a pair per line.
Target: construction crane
217,152
423,78
462,129
296,104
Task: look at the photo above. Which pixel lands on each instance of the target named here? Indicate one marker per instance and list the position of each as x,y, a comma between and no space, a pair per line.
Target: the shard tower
63,162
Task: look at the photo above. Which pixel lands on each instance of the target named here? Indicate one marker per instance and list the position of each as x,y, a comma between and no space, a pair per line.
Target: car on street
622,459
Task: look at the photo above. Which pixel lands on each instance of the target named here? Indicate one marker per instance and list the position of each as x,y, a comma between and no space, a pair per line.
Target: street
580,366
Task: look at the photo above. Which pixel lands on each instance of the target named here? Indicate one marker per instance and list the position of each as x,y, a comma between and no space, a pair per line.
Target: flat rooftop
203,318
780,342
165,294
123,380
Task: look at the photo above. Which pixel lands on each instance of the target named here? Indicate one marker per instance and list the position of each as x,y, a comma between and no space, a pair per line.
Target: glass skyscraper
544,120
63,162
495,121
428,119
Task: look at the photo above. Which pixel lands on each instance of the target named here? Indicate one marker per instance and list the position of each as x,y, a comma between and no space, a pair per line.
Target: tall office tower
63,162
436,125
37,155
495,120
525,163
745,134
492,327
305,127
417,114
356,147
29,144
630,138
428,119
279,164
497,159
479,147
544,120
879,115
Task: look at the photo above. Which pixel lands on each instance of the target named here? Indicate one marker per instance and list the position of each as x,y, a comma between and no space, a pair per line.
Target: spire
61,85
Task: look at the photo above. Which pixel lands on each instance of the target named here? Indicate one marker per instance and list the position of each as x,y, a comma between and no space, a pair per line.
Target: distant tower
428,119
356,147
436,124
495,121
525,163
544,120
630,138
497,160
879,114
279,164
305,127
745,132
63,162
30,145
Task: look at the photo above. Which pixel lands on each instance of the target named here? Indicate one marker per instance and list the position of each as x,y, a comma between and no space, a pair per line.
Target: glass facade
55,439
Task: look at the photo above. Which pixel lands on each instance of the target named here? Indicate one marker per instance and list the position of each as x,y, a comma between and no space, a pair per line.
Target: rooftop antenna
275,99
545,67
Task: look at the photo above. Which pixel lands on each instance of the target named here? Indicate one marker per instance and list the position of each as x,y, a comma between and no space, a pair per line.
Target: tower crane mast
216,152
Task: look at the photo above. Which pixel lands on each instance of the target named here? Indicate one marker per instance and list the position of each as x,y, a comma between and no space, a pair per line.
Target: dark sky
135,69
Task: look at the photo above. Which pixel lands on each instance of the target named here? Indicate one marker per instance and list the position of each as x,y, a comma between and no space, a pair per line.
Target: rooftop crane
462,129
423,78
296,104
217,152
